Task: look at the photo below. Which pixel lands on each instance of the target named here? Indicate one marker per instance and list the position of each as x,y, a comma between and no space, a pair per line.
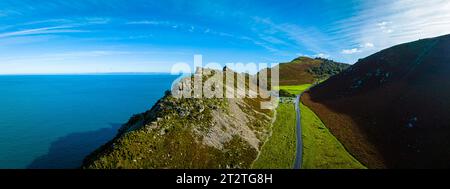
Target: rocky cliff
191,132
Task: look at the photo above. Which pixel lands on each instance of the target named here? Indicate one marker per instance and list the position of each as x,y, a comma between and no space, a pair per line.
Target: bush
327,69
284,93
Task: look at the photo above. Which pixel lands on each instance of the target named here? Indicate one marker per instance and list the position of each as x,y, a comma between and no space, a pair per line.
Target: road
299,153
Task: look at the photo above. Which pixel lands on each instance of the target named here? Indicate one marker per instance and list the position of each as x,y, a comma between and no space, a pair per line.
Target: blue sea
54,121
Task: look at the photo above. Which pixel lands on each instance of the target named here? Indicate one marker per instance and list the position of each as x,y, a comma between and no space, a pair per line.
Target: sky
97,36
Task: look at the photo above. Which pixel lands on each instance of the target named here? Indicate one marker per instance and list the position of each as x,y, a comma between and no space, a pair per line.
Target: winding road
299,153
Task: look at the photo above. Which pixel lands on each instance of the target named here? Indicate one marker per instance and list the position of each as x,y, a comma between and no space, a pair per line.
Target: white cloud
183,27
145,22
385,27
4,13
388,31
22,40
97,20
37,31
368,45
66,55
319,55
351,51
383,24
272,39
94,53
267,47
322,55
389,23
72,22
292,36
362,48
54,26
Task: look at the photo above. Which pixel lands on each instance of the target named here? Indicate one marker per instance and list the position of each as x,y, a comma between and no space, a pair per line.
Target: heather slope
305,70
391,109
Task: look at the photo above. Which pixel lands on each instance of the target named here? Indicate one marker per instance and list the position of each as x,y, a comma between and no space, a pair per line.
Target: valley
321,150
351,117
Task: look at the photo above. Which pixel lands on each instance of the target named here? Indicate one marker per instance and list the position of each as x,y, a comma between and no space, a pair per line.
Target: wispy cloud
94,53
182,27
267,47
22,40
148,22
293,36
361,48
385,27
392,22
344,31
351,51
265,44
72,22
273,40
51,26
97,20
48,57
368,45
320,55
4,13
39,31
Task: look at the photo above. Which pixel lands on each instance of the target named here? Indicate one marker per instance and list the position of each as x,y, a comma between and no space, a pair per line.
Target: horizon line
87,73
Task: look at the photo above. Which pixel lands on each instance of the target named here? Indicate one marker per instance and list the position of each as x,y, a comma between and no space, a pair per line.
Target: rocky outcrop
191,132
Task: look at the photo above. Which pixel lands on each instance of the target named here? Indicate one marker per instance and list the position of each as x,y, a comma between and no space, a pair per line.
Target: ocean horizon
55,120
87,73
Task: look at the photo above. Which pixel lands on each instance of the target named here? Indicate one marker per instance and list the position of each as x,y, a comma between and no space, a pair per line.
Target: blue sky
89,36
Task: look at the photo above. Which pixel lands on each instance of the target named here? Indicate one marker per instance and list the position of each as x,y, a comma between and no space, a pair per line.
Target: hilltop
305,70
391,109
190,132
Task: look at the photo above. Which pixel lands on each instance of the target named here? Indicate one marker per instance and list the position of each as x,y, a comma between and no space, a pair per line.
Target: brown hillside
295,72
304,70
391,109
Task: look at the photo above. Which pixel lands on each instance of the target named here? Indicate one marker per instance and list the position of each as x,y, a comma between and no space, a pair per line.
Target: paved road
299,153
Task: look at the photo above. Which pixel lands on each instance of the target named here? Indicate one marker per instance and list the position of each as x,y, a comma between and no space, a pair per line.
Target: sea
55,121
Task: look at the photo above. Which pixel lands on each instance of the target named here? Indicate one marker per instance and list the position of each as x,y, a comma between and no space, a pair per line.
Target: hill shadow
69,151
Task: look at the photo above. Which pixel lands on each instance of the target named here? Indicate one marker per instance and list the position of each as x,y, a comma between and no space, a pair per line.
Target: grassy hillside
391,108
279,151
321,150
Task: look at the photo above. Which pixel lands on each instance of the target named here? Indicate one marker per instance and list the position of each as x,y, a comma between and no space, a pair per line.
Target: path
299,153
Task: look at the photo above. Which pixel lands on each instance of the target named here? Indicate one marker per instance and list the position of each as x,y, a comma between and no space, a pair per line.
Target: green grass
321,150
279,151
295,89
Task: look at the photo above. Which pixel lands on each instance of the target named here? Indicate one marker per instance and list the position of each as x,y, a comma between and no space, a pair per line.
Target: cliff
190,132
